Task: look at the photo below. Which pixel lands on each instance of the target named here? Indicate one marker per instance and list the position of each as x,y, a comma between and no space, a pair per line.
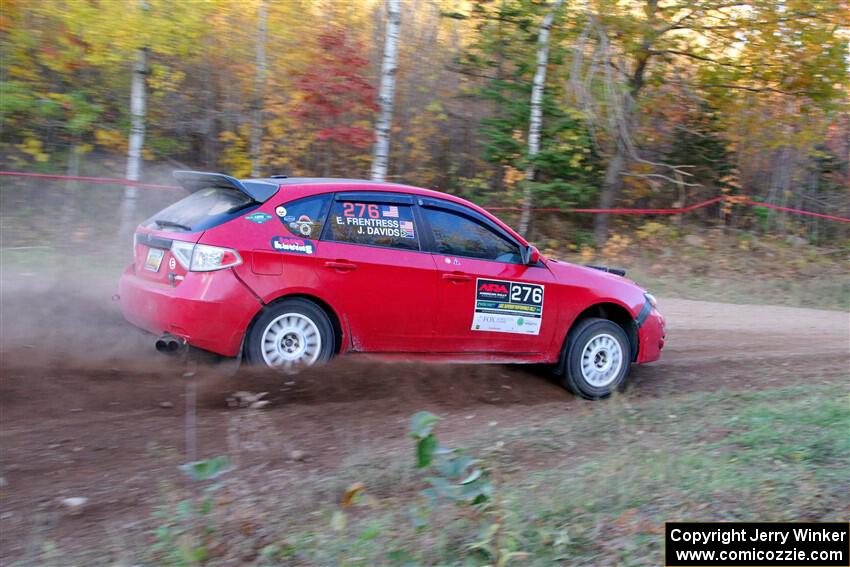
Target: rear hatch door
214,199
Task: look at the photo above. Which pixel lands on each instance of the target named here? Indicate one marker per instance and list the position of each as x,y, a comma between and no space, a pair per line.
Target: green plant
184,534
462,481
458,478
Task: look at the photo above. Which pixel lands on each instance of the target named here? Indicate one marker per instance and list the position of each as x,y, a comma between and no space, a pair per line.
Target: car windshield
201,210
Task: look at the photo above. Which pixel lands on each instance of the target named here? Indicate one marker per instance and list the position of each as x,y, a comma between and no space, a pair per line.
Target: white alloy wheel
291,341
601,360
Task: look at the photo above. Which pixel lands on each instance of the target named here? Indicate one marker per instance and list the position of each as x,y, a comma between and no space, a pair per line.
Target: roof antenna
278,176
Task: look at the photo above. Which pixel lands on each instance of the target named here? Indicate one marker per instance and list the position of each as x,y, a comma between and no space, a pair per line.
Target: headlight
651,299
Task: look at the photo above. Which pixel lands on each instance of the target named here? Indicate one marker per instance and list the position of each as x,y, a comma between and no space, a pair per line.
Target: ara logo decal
295,245
492,288
259,217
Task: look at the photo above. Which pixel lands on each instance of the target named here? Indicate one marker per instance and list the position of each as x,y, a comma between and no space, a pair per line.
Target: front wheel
291,334
596,359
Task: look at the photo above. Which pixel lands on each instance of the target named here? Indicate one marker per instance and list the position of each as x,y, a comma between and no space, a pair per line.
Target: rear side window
201,210
304,217
457,235
373,224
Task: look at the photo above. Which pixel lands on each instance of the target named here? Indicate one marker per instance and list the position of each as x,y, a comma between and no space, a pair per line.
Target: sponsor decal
304,225
292,244
448,260
172,263
289,218
507,307
407,229
280,211
258,217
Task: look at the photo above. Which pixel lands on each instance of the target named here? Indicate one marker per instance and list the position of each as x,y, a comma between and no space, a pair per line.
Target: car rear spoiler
615,271
192,181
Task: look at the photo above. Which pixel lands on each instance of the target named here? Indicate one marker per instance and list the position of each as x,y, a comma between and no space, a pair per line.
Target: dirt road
89,410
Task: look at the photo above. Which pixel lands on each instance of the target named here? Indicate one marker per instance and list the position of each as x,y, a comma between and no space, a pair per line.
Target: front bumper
651,336
211,310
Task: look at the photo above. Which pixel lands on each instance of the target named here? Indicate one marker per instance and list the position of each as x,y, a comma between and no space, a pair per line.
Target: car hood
605,283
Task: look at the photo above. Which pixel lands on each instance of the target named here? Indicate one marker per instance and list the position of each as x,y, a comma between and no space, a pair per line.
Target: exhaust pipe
169,344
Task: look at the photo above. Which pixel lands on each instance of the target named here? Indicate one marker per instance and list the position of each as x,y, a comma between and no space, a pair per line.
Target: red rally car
289,272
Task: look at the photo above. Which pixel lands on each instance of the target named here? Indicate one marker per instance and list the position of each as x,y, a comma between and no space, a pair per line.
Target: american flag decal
406,229
391,211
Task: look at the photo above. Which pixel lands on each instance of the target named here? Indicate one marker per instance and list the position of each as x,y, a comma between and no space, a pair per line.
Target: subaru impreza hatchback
289,272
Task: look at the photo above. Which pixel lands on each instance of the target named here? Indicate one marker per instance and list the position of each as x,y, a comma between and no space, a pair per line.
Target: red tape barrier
796,211
678,211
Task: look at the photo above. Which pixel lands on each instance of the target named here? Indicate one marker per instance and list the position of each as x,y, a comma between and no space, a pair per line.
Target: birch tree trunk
536,119
389,65
137,140
259,91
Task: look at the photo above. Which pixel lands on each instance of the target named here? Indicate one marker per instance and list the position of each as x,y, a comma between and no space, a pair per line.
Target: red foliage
336,90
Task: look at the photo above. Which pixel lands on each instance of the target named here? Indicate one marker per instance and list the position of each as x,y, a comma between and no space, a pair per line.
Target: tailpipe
169,344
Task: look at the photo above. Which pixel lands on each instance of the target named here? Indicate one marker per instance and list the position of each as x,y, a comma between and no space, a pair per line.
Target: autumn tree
337,100
555,153
718,49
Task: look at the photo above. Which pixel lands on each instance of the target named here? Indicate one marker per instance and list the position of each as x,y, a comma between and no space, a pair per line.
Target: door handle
457,277
341,265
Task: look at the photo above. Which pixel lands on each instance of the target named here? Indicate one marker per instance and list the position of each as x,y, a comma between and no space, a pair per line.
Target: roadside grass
826,291
591,488
732,266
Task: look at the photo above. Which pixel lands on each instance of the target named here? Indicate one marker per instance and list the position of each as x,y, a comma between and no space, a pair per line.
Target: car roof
327,184
341,181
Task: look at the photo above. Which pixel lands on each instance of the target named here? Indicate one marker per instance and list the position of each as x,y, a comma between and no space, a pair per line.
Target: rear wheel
596,358
291,335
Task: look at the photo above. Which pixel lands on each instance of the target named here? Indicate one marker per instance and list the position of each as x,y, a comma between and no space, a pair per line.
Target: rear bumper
211,310
651,336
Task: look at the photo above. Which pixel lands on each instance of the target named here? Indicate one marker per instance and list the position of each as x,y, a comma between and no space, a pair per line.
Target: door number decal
508,307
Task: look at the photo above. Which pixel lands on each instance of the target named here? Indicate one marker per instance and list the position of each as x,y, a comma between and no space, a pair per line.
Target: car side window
304,217
458,235
373,224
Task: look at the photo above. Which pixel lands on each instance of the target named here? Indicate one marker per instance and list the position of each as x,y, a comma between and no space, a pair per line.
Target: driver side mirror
530,255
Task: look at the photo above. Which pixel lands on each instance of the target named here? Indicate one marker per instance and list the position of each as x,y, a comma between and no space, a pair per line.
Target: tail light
204,258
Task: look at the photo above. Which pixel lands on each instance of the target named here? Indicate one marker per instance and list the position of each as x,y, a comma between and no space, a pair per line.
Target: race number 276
526,294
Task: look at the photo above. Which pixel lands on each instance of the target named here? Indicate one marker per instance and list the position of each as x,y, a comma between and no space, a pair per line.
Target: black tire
601,383
304,311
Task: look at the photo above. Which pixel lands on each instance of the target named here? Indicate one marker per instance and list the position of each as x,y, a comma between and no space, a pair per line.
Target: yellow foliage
34,148
111,140
650,229
616,245
586,253
236,156
512,176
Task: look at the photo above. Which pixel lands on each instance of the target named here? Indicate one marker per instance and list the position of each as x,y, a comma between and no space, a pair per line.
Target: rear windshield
202,210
